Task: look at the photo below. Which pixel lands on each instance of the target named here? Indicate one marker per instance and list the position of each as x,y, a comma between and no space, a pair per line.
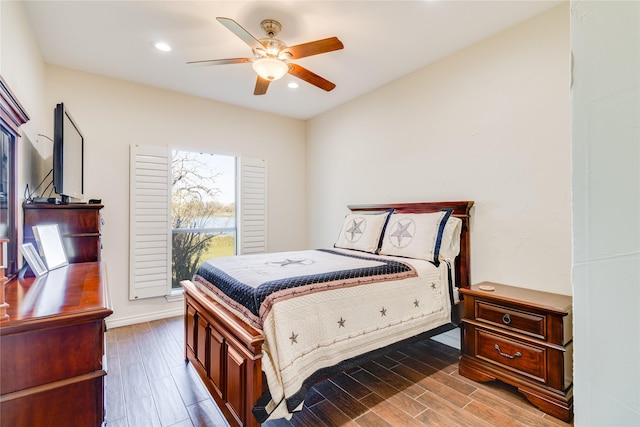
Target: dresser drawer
517,356
527,323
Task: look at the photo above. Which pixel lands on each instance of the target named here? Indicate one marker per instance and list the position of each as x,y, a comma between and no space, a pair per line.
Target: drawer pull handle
508,356
506,319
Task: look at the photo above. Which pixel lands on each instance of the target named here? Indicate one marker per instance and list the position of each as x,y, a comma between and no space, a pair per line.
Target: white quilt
321,328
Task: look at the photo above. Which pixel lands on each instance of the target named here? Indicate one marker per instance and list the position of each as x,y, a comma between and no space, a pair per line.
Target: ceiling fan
271,56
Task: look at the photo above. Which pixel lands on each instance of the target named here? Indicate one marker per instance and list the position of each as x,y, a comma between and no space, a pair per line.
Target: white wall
490,124
605,41
114,114
21,65
22,68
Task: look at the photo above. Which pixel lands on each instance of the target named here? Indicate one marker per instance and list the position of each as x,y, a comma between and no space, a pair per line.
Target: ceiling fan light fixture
270,68
284,56
272,56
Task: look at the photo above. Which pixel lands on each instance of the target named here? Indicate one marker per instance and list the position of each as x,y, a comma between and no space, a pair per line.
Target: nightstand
522,337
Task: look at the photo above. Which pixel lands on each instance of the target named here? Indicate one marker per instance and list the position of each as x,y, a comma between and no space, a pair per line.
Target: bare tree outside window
202,210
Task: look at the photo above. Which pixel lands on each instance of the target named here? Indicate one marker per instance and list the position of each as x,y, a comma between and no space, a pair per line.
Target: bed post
463,266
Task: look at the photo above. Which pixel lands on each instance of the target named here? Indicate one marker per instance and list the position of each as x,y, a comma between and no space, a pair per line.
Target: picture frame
36,263
49,242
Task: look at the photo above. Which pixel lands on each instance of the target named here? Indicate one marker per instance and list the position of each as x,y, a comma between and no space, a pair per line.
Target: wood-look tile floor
149,384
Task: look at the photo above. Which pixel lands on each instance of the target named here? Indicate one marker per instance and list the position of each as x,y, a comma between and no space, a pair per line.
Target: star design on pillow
383,312
341,322
402,232
354,232
293,338
433,286
416,303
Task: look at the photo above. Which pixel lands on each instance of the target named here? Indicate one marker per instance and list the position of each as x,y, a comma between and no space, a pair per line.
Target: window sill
176,295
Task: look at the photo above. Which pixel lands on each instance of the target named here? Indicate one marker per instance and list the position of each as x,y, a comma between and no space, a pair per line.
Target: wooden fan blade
310,77
261,86
220,61
314,48
244,35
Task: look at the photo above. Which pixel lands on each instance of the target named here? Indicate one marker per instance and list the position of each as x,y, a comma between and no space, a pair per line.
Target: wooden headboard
460,210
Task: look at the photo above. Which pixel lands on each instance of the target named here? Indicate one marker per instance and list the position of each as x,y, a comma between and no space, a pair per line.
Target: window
203,210
220,209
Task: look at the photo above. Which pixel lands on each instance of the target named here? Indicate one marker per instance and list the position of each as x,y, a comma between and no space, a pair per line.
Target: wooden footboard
226,353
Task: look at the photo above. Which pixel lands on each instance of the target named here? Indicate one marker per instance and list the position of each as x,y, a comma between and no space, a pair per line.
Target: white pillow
450,247
362,232
417,236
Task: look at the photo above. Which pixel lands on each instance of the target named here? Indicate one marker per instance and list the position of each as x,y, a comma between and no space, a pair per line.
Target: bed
261,329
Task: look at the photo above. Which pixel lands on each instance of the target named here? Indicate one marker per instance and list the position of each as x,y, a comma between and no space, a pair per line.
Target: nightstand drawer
518,356
531,324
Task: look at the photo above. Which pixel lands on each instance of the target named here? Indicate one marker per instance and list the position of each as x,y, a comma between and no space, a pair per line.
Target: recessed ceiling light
293,85
163,46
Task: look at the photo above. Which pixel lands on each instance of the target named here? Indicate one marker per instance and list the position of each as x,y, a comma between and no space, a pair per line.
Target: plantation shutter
252,227
150,222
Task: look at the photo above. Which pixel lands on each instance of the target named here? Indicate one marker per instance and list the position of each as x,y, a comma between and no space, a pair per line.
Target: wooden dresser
52,347
79,226
524,338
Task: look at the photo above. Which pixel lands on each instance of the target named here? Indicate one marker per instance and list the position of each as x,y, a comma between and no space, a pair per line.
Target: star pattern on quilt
383,312
341,322
354,232
402,232
288,261
293,338
434,286
416,303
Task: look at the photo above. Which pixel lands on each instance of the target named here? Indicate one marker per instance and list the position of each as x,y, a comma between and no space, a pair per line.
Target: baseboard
147,317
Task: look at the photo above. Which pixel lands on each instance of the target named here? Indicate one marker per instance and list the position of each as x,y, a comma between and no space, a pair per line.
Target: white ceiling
383,40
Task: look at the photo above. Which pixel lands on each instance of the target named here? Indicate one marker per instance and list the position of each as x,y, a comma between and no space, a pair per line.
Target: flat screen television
68,156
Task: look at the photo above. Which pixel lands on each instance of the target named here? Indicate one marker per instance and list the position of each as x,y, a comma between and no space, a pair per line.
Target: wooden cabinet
79,226
52,347
522,337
